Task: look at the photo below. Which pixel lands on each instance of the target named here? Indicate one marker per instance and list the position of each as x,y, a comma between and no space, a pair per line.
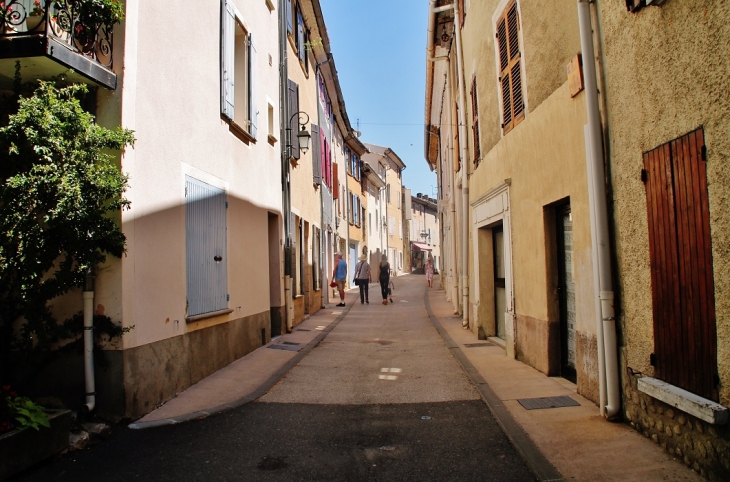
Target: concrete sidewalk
575,440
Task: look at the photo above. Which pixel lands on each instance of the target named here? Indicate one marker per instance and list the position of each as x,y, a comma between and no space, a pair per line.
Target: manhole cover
476,345
285,347
547,402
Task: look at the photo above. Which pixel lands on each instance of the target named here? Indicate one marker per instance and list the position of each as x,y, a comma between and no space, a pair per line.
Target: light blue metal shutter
205,238
253,111
228,55
316,143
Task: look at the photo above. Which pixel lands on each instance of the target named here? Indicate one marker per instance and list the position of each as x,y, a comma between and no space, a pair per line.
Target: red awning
420,246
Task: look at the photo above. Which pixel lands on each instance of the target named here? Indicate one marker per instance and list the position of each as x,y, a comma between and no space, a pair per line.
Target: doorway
500,298
566,291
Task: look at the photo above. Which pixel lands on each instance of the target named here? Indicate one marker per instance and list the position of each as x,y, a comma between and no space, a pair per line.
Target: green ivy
61,194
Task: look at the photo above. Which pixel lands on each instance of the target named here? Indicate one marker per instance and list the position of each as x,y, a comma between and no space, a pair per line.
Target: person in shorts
339,274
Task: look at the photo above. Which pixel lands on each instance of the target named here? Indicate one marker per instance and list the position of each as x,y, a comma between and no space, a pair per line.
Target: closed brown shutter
475,121
680,249
510,76
335,182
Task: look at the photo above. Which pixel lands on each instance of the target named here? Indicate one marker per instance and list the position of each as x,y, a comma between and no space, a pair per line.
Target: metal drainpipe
88,296
464,174
599,213
285,191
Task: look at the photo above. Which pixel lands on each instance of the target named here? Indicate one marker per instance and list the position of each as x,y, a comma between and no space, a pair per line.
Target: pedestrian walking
363,278
339,274
428,269
384,278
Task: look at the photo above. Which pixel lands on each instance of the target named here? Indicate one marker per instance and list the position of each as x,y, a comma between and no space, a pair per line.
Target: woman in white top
362,278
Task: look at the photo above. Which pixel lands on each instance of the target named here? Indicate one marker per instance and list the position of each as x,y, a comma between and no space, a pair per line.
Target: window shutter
253,112
322,158
205,244
316,155
680,253
228,51
300,34
462,13
335,182
475,120
508,44
288,16
294,123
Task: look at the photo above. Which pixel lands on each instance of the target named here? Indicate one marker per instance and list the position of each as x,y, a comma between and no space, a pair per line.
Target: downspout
88,296
599,214
286,188
464,174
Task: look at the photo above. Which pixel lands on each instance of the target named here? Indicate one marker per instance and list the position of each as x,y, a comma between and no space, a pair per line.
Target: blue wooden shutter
253,112
316,155
205,245
288,16
228,51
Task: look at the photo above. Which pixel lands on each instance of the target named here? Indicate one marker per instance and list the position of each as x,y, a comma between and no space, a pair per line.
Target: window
302,39
387,193
238,74
680,253
510,73
289,27
475,121
205,248
271,123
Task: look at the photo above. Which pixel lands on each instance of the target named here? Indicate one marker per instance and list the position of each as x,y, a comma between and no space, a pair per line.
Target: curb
259,392
540,466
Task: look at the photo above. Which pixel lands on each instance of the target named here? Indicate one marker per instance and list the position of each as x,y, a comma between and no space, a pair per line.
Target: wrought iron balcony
52,36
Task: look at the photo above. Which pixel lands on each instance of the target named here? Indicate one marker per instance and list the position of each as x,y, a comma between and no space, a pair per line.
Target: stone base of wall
140,379
533,341
703,447
586,355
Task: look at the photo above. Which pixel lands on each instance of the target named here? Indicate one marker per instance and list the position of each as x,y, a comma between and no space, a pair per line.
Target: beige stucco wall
555,27
393,209
667,73
169,92
544,157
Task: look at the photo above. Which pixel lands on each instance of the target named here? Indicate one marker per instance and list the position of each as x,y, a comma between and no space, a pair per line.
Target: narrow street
380,398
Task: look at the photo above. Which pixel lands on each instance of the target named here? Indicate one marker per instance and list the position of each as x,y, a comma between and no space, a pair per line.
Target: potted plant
28,433
7,16
35,16
94,13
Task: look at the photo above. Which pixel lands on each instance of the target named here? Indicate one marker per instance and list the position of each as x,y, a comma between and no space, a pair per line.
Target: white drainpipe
606,325
464,174
88,296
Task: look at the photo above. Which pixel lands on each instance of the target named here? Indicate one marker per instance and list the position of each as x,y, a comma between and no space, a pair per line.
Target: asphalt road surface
381,398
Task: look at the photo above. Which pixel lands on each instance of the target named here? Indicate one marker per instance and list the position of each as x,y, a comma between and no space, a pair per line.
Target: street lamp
303,135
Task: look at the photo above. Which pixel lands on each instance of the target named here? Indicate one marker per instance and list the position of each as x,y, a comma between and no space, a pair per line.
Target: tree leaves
61,193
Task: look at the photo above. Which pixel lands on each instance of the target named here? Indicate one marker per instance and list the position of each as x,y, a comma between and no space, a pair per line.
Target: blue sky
380,54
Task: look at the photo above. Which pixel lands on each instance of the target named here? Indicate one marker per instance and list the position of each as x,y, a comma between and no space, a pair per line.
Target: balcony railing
61,21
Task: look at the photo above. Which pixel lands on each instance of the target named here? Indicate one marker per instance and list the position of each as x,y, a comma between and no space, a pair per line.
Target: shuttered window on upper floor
238,74
510,67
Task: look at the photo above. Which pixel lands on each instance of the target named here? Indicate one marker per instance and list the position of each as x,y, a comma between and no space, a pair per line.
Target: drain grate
476,345
290,343
302,329
285,347
547,402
